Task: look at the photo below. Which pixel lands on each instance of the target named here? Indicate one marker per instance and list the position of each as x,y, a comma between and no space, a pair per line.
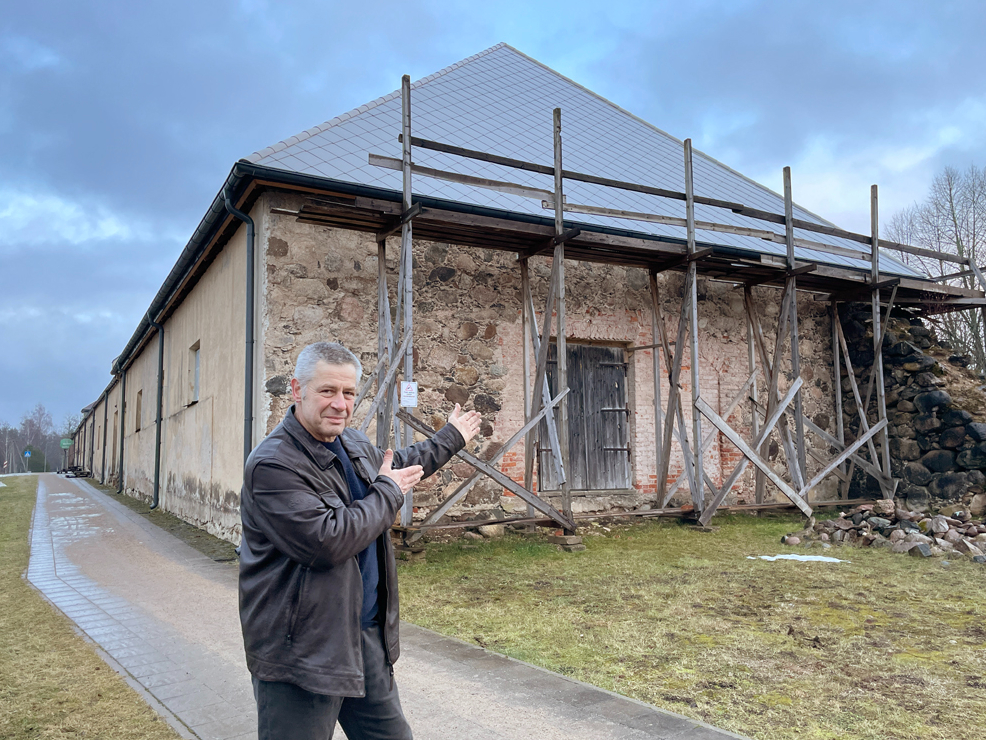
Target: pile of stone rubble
883,524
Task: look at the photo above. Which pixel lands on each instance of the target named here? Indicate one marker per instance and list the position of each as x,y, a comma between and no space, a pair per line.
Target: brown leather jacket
300,586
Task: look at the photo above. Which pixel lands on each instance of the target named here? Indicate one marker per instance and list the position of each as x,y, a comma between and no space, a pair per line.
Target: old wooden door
598,420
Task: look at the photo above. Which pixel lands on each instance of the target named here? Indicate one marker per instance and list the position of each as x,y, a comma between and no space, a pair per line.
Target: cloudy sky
120,120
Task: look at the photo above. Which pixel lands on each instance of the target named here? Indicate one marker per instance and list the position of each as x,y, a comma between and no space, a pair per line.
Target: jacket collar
318,452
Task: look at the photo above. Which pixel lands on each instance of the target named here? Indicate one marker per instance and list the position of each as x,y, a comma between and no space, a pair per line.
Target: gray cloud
119,121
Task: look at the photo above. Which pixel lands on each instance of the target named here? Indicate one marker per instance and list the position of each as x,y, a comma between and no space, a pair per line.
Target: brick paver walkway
165,617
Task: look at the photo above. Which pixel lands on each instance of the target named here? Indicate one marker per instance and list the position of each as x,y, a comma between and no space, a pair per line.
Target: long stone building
318,202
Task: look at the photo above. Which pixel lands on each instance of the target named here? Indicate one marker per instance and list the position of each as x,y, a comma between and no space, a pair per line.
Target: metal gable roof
501,101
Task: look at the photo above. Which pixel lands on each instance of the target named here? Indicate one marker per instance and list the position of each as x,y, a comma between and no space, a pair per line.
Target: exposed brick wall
468,344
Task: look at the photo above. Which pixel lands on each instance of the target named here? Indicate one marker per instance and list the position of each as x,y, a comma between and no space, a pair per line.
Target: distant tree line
951,219
35,433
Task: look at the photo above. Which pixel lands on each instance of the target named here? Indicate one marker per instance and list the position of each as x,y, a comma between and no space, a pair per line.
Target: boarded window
194,365
598,420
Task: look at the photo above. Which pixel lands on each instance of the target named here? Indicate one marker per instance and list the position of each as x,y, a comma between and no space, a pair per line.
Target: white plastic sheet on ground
800,558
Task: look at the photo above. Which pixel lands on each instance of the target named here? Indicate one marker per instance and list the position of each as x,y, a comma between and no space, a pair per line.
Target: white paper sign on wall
409,394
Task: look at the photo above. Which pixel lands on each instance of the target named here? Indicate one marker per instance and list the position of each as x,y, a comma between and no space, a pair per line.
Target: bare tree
951,219
8,445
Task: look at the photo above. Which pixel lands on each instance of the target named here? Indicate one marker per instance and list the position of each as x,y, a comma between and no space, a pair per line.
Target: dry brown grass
886,646
52,684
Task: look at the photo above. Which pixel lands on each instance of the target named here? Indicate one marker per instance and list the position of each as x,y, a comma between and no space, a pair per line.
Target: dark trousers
288,712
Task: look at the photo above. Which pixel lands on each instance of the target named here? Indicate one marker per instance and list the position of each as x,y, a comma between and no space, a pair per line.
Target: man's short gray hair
331,353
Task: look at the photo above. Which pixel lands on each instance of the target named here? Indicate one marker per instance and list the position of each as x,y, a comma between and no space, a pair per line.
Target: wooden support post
864,423
540,372
698,495
657,332
675,412
383,339
527,330
559,260
751,357
881,390
840,429
795,347
406,288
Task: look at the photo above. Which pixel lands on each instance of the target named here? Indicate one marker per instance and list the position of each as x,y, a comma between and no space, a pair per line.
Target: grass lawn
52,684
886,646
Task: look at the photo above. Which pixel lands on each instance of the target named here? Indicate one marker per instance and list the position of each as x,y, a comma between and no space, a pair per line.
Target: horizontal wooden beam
551,244
682,260
511,188
803,269
737,208
863,291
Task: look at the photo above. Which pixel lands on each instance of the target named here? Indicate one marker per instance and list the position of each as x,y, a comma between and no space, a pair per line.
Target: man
318,581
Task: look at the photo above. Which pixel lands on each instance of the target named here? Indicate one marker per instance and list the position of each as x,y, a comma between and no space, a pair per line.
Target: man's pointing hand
405,478
467,423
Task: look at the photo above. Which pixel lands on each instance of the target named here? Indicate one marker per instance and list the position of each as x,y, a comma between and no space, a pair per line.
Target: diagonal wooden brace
545,392
842,456
738,469
833,442
755,458
710,437
387,381
469,482
540,504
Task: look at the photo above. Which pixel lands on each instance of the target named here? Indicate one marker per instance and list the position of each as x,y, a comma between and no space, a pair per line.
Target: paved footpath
165,617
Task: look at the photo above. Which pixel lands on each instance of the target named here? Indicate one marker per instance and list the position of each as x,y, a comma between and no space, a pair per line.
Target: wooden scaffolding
685,418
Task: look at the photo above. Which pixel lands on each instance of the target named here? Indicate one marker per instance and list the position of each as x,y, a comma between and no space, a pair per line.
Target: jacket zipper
292,623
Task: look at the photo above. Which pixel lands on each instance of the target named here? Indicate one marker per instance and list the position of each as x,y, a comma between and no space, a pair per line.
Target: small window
137,411
194,366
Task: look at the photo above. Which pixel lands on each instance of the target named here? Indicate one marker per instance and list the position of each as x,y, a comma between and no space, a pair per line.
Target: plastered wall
201,439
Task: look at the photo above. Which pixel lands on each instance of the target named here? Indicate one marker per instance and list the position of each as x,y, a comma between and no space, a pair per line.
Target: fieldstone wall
321,284
936,412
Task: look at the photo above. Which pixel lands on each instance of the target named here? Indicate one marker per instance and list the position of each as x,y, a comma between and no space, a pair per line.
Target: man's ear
295,390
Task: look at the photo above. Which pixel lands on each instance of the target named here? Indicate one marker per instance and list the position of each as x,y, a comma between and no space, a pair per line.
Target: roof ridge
650,125
307,134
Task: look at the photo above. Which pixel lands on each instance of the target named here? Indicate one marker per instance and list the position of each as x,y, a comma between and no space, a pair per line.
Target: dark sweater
369,565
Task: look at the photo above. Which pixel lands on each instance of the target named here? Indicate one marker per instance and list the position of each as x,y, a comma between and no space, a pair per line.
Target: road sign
27,453
65,443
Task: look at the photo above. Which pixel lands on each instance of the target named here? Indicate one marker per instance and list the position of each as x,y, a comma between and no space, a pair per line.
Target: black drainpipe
106,436
92,442
248,375
160,394
123,424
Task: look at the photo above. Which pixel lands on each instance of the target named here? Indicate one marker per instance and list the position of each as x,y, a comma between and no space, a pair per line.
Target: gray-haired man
318,582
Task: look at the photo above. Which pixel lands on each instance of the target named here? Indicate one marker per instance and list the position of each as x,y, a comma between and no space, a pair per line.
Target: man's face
325,404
